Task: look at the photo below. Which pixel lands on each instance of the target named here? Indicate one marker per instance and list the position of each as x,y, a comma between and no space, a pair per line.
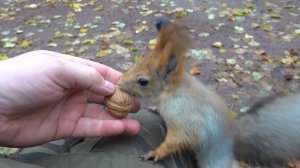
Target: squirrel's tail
270,132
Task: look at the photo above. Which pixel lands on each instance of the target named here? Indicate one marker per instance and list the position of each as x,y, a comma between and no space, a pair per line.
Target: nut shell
119,104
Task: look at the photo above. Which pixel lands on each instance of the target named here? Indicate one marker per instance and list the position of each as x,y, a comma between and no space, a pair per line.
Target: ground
244,49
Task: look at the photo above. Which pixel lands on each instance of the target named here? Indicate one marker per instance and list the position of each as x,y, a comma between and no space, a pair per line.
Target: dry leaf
195,70
217,44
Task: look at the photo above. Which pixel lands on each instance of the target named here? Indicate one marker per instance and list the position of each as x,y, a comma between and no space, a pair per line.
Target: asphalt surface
260,40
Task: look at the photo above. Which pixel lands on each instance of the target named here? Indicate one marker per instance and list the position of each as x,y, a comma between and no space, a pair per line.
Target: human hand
46,96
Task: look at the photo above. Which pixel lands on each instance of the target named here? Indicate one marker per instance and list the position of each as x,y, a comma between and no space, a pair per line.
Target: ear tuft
160,22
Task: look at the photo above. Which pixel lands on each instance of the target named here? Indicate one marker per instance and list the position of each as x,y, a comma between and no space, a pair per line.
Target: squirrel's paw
150,155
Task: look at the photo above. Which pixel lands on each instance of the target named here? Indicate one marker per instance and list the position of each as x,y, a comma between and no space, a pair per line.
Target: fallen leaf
203,34
103,53
231,18
239,12
217,44
222,50
288,60
25,43
88,41
211,16
231,61
275,15
254,43
181,14
239,29
83,30
4,33
119,24
128,42
255,26
152,44
235,96
52,45
138,58
198,54
244,109
31,6
3,57
141,28
256,75
133,49
99,9
77,6
261,52
9,44
195,70
58,34
267,27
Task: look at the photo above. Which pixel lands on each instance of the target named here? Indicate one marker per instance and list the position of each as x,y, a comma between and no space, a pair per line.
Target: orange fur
172,40
188,107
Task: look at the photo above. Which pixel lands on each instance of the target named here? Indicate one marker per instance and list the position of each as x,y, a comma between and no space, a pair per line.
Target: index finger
106,72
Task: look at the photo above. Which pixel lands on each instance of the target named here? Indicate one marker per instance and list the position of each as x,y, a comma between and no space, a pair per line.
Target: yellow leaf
133,49
232,18
58,34
275,15
103,53
88,41
235,96
267,27
288,60
217,44
181,14
25,43
267,59
222,50
224,5
128,42
3,57
99,9
233,114
83,30
76,6
152,44
138,58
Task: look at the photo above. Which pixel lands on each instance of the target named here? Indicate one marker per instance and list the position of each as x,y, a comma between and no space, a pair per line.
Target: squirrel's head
162,69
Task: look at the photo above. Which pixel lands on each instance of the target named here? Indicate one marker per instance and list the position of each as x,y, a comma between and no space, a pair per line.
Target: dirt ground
244,49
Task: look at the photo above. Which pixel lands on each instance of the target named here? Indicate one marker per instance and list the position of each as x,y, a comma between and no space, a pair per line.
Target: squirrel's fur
196,117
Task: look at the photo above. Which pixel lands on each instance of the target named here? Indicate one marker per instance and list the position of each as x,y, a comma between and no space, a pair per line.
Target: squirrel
198,119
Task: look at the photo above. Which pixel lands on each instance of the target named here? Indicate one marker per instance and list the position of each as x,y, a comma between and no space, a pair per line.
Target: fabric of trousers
121,151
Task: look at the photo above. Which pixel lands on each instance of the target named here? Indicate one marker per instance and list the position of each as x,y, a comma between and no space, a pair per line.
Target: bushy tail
270,132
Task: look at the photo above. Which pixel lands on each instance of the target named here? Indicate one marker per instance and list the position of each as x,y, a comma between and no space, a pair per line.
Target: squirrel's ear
169,68
171,47
164,28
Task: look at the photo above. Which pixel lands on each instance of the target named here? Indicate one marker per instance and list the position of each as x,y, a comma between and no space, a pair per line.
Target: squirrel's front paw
150,155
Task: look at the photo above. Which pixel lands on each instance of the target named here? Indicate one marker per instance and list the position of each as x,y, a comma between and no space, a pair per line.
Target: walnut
119,104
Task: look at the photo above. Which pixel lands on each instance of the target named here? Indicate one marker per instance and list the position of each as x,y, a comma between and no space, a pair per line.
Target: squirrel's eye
143,81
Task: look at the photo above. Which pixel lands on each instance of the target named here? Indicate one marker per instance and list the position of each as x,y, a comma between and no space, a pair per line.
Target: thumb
81,76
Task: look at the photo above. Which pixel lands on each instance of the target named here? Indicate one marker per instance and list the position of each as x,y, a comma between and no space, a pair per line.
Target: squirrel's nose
159,22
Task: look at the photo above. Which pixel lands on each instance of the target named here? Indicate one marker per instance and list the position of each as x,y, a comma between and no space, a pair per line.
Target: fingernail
109,86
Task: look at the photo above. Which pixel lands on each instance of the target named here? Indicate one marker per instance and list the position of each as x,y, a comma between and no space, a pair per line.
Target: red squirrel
196,117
